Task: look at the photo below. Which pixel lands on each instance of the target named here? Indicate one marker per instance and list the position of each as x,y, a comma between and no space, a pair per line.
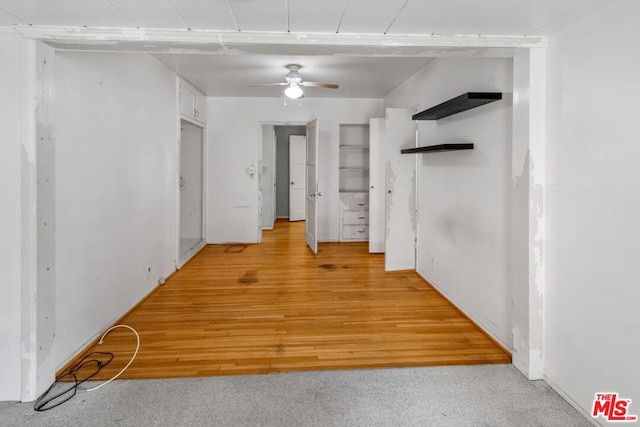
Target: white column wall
464,217
527,211
592,337
11,157
234,139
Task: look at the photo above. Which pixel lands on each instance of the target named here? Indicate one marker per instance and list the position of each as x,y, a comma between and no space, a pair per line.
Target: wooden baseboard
488,335
72,360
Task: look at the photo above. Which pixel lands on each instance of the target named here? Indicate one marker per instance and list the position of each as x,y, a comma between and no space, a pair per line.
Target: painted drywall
11,155
527,211
464,230
234,141
400,191
42,344
116,135
592,336
282,165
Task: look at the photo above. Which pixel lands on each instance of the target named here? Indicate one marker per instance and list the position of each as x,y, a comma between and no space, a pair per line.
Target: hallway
275,307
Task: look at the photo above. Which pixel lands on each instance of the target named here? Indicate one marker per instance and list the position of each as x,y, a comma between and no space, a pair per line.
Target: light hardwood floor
276,307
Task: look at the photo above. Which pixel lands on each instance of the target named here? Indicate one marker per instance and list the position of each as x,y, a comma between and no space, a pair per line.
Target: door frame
260,162
271,129
178,262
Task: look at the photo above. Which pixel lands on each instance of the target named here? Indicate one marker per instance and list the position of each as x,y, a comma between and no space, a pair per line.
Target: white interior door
400,214
312,193
376,185
297,178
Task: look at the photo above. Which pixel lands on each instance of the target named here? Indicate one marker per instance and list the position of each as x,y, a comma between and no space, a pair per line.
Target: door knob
291,182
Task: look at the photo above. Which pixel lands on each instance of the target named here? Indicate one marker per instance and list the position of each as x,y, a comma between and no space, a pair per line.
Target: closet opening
191,191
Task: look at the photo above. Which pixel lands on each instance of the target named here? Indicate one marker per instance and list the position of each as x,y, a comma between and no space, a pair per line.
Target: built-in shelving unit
438,148
354,182
458,104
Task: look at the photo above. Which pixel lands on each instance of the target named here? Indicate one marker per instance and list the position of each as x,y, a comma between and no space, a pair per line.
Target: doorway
275,171
282,172
191,194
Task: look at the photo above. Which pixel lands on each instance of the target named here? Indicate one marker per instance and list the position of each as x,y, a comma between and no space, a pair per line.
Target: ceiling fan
293,81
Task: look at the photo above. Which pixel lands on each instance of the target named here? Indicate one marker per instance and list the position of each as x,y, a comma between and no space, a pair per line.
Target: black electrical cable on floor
49,400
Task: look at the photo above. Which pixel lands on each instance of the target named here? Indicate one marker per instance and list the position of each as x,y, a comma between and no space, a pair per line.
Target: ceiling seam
344,11
57,7
11,14
286,7
120,12
396,17
454,13
233,16
173,9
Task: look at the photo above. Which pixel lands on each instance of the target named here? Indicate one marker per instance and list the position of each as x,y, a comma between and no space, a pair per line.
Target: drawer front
356,203
355,217
355,232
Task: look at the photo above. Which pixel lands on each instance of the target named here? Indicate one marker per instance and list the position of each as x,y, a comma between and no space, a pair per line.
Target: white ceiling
232,75
227,71
488,17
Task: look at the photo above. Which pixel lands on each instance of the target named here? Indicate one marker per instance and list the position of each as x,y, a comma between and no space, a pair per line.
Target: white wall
464,230
116,135
11,155
234,141
593,207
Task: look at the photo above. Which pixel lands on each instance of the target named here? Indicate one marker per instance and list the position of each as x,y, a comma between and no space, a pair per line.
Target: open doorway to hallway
280,183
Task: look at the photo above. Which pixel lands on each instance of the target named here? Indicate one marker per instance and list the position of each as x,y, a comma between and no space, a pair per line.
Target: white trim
191,120
191,253
571,402
87,344
180,260
110,35
179,118
466,313
9,31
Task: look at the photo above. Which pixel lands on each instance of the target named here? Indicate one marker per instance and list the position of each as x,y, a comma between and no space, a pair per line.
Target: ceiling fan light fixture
293,91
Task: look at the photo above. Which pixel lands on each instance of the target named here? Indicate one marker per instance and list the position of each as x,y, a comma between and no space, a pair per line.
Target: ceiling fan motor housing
293,75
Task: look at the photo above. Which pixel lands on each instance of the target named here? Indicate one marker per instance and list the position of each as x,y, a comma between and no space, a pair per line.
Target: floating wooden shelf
437,148
458,104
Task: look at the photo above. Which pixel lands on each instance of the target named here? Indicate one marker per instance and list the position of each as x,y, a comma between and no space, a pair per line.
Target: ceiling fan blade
316,84
270,84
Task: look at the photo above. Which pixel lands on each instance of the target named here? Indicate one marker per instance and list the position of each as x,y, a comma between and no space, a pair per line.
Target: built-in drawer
355,232
355,217
355,202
